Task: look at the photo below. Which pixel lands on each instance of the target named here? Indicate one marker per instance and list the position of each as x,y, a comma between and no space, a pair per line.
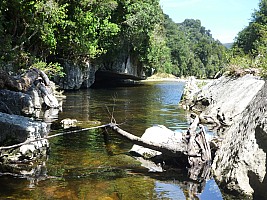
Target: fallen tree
191,146
176,151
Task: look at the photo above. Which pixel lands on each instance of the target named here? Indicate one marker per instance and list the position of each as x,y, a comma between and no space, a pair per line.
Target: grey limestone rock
239,105
18,129
77,75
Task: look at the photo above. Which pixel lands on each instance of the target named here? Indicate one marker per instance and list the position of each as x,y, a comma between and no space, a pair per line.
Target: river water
95,165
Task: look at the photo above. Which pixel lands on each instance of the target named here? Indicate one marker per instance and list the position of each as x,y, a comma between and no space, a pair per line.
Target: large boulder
18,129
227,97
17,103
240,163
238,107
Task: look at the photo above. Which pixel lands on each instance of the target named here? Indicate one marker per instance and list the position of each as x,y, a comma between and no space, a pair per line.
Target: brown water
93,165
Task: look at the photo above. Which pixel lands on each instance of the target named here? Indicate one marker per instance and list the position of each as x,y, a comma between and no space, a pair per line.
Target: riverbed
96,164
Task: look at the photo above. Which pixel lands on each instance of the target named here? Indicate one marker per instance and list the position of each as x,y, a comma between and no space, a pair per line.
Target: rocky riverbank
236,109
27,105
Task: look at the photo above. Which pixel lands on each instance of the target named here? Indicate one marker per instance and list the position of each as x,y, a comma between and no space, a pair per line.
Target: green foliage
38,33
193,50
48,29
51,15
250,47
140,20
49,68
87,28
158,55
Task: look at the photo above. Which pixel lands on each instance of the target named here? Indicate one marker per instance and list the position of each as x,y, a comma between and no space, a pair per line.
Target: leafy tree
137,21
193,50
87,29
39,33
250,46
28,29
159,55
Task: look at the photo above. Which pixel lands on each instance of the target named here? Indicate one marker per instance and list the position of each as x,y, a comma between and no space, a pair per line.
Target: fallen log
190,150
164,148
194,144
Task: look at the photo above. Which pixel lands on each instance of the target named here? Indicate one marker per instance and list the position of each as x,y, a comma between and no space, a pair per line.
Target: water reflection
168,191
92,165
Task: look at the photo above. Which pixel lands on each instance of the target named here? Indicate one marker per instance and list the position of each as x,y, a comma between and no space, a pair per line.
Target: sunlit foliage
250,46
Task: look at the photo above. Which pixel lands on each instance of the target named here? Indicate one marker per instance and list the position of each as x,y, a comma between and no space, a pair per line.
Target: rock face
82,74
22,140
241,162
17,129
226,98
190,89
77,75
127,64
22,94
17,103
238,107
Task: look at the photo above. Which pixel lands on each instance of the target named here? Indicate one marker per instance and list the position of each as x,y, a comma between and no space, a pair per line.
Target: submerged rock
67,123
237,107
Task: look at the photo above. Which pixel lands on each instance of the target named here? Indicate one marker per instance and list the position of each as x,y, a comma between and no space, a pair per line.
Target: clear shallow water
94,165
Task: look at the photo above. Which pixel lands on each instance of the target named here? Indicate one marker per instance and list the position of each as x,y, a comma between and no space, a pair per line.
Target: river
92,165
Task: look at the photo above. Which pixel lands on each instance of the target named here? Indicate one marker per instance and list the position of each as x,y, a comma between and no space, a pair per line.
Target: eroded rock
240,164
238,107
78,75
18,129
22,139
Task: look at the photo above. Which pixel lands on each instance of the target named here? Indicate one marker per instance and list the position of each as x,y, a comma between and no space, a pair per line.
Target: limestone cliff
82,74
77,75
237,106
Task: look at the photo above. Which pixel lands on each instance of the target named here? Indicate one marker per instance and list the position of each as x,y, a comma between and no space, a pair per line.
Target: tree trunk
165,149
195,145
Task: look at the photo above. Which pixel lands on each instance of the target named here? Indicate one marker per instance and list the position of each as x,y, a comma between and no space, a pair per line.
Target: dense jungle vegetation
39,33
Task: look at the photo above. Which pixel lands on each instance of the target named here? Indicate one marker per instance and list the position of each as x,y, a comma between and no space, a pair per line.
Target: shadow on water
88,165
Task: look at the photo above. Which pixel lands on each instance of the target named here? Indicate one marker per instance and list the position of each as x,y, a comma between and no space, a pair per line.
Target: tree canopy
193,50
250,46
40,32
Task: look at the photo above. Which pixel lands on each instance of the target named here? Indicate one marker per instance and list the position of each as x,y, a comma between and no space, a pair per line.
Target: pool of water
96,165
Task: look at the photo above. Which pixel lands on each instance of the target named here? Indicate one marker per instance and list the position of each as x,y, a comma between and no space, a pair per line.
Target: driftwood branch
195,146
165,149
